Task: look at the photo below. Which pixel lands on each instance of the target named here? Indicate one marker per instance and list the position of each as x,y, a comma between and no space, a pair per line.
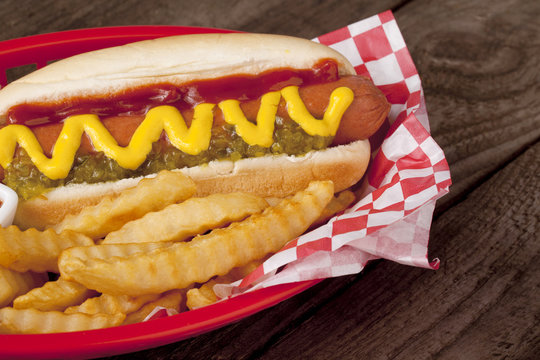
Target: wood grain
307,19
479,63
482,303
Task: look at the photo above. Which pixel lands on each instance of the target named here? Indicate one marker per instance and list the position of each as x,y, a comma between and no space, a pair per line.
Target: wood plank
250,337
308,18
482,303
478,62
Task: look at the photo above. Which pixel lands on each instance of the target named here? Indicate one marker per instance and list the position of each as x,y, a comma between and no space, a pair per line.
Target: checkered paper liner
408,172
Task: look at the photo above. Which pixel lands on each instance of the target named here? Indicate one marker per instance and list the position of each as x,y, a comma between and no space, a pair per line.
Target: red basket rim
139,336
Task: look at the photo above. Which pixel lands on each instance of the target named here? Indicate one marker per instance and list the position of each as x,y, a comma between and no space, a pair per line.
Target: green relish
289,138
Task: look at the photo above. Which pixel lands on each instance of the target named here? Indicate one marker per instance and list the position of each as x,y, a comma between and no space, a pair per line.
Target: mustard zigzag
168,119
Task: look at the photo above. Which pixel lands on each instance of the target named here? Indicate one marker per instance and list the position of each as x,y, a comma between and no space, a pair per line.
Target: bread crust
174,60
178,60
268,176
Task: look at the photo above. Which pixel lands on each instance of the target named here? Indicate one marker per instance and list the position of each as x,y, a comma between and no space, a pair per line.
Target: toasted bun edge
268,176
175,60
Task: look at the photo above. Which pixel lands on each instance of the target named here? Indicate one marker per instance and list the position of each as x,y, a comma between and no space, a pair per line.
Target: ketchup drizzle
139,100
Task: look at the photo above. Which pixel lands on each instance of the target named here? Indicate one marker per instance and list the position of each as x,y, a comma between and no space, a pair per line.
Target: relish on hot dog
237,112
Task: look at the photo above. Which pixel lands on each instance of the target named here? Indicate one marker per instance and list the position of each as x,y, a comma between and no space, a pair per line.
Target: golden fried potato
151,194
111,304
170,300
14,283
202,296
32,321
107,251
205,295
54,296
36,250
194,216
338,203
181,264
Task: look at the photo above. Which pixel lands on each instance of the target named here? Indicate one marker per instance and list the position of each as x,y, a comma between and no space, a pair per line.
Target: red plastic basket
40,50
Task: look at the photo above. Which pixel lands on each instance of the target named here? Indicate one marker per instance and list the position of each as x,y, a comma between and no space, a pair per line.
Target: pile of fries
152,245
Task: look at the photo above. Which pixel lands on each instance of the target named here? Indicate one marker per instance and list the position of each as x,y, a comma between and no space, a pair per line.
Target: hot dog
237,112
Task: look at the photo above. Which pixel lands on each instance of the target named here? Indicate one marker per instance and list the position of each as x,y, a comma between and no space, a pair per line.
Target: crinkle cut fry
14,283
54,296
338,203
171,300
205,295
216,253
108,251
36,250
111,213
32,321
194,216
111,304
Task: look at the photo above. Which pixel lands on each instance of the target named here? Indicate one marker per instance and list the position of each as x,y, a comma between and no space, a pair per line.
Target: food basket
408,173
36,52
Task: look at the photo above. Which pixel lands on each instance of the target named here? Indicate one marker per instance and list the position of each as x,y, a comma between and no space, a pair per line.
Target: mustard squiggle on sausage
168,119
253,134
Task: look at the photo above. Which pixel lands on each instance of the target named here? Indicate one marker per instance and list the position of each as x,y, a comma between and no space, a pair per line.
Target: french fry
205,295
181,264
110,304
108,251
54,296
34,250
194,216
338,203
202,296
32,321
150,194
14,283
170,300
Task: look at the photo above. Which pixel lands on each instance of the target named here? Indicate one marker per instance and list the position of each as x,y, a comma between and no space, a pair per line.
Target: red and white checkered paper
408,172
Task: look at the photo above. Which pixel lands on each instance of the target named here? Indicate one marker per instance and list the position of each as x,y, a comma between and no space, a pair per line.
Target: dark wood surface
480,66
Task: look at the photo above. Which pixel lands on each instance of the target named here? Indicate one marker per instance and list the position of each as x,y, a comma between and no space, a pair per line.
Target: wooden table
480,66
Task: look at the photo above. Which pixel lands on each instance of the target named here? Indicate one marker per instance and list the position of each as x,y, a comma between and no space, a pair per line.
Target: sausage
363,117
184,71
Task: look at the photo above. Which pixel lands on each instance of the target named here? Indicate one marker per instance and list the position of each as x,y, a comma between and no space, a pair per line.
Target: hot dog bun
268,176
175,60
179,60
